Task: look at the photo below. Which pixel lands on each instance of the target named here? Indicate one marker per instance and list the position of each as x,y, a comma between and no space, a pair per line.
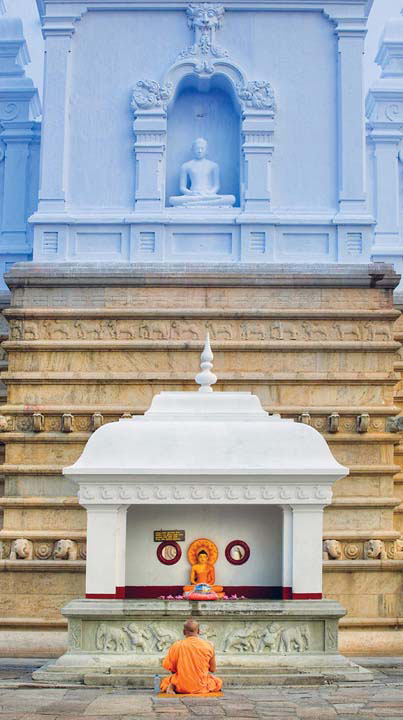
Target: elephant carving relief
375,550
220,329
253,331
219,332
377,331
138,637
294,638
332,550
163,638
273,639
347,331
65,550
282,331
56,330
243,640
22,549
313,332
87,330
111,639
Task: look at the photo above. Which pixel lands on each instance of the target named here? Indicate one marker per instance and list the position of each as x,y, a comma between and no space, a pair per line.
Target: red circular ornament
167,560
243,546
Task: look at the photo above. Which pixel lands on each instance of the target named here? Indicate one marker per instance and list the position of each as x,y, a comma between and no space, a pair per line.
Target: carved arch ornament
204,58
200,62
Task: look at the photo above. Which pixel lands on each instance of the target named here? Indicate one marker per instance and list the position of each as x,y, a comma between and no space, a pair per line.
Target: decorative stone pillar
307,552
384,110
150,126
386,144
352,197
19,135
257,100
57,32
106,546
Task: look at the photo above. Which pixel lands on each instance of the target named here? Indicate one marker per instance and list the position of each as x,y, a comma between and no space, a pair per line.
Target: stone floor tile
67,707
114,704
316,712
34,716
212,710
351,708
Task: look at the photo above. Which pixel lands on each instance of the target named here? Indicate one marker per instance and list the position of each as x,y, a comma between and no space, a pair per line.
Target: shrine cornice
341,9
244,490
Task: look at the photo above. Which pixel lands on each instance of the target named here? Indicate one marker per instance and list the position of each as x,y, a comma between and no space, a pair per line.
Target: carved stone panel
280,636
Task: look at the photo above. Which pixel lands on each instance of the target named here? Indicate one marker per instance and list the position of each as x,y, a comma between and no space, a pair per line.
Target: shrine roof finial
206,378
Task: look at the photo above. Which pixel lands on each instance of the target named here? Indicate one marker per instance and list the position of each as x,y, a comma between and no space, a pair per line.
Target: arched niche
204,107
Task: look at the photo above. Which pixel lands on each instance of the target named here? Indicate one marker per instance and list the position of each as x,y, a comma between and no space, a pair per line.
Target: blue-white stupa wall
276,91
19,148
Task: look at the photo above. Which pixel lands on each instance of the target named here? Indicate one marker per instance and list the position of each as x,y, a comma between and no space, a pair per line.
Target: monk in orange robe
190,660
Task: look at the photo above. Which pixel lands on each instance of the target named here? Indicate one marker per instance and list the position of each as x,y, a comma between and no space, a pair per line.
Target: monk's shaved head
191,627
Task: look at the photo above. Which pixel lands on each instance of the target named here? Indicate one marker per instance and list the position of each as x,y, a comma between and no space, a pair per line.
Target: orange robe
189,661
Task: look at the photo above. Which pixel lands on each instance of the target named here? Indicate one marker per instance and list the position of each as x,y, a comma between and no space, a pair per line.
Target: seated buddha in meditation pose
203,573
204,178
191,661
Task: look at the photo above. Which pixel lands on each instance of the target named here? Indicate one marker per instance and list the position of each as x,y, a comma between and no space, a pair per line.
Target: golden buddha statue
202,555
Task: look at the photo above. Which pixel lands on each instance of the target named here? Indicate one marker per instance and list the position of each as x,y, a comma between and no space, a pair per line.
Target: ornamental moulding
152,493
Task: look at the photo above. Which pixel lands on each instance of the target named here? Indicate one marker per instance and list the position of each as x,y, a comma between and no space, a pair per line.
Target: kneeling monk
191,660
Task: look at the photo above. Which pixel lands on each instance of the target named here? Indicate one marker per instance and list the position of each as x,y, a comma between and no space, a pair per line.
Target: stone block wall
90,343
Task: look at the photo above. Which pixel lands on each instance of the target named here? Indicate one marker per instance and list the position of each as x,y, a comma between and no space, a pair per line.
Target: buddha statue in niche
202,555
204,178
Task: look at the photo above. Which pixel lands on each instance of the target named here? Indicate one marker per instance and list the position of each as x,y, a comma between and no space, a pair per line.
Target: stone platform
257,642
89,343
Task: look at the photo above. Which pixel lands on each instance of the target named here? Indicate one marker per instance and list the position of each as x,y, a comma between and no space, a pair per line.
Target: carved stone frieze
185,330
274,638
186,493
247,637
25,549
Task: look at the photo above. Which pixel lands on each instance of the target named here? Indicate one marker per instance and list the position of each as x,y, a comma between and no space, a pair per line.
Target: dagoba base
257,642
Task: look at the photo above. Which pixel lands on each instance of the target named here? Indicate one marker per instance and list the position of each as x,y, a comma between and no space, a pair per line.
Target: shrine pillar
307,523
106,538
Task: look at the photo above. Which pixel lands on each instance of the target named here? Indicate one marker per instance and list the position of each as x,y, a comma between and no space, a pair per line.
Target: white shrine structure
220,467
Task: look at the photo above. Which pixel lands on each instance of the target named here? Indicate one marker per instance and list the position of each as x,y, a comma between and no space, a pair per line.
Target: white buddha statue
204,177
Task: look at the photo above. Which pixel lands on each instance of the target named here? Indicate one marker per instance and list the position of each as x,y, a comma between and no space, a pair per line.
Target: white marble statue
204,176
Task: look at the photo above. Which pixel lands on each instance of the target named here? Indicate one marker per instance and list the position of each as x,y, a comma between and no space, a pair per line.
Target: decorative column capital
150,95
349,27
61,25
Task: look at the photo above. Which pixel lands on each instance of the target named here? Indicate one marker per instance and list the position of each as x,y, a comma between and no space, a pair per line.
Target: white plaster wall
296,52
259,526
